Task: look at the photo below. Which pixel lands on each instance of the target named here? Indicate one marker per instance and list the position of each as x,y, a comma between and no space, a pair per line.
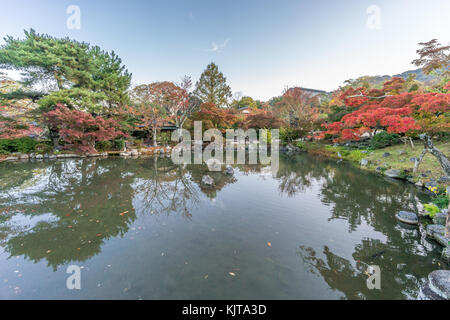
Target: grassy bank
398,157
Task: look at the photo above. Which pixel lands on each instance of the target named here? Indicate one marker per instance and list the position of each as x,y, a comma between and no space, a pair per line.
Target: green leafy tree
212,87
74,73
245,102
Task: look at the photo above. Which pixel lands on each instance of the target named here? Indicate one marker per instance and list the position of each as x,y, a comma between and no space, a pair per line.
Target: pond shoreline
165,150
389,170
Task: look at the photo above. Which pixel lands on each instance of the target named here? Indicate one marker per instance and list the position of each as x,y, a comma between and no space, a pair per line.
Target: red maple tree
80,129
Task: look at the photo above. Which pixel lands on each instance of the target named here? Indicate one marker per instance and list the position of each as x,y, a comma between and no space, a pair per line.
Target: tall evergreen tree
212,87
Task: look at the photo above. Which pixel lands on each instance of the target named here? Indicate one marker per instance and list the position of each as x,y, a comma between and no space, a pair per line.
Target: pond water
148,229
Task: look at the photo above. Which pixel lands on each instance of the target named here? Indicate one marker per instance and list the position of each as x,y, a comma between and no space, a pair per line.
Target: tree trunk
443,160
447,229
419,160
412,143
155,143
54,136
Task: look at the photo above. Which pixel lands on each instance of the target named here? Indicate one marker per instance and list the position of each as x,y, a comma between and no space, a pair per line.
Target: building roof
310,90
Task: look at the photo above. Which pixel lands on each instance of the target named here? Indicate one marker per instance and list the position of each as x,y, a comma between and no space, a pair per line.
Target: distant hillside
377,81
420,76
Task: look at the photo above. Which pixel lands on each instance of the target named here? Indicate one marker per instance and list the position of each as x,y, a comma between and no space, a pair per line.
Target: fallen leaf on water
205,277
99,234
48,251
123,213
232,274
269,244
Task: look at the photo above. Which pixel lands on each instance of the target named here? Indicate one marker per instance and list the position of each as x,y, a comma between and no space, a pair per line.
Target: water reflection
66,211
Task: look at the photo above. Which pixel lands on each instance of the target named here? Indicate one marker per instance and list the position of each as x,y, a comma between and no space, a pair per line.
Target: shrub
44,147
104,145
23,145
301,145
164,137
441,201
288,134
119,144
355,155
384,139
431,209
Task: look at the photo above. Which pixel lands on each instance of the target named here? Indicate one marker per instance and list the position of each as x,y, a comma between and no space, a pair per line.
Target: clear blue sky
260,45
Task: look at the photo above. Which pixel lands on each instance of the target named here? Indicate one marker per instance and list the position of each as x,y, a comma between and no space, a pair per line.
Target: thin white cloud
218,47
191,15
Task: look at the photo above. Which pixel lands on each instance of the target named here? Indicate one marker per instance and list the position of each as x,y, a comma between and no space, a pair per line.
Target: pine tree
212,87
76,74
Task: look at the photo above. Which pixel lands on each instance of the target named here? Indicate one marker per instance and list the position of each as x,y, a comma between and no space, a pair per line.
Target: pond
148,229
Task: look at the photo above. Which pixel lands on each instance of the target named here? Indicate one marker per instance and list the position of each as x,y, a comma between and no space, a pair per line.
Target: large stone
435,229
71,155
441,239
364,162
214,164
125,154
407,217
444,179
229,170
393,173
440,218
431,184
207,180
386,154
446,254
39,157
12,159
439,282
401,152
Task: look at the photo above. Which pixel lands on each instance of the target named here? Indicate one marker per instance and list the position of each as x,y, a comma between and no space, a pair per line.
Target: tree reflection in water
82,203
64,211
